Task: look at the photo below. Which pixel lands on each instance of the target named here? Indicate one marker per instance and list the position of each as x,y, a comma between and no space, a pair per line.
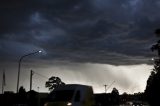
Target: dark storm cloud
101,31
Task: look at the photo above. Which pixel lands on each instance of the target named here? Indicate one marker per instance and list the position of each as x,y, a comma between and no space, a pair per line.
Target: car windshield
63,95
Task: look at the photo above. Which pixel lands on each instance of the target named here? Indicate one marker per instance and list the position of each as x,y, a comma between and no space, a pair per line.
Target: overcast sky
92,42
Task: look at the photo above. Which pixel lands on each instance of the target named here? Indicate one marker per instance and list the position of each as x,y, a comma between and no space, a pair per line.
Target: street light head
40,51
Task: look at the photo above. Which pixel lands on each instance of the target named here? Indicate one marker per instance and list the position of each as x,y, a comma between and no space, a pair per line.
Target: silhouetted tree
115,96
152,90
22,95
115,91
22,90
54,82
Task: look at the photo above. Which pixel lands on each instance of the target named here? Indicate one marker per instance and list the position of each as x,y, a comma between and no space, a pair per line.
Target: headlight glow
46,104
69,104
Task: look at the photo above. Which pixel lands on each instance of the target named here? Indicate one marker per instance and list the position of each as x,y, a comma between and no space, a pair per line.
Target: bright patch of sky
127,78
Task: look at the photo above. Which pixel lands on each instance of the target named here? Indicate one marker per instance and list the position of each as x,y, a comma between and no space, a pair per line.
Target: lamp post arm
19,66
28,55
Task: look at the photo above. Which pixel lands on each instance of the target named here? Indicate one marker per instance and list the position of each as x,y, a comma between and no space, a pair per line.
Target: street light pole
19,65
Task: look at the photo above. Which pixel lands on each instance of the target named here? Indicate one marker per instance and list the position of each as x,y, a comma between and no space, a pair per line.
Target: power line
40,75
111,84
31,74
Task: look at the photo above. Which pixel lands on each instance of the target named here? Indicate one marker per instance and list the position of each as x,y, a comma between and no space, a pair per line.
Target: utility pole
38,89
3,81
105,88
31,74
